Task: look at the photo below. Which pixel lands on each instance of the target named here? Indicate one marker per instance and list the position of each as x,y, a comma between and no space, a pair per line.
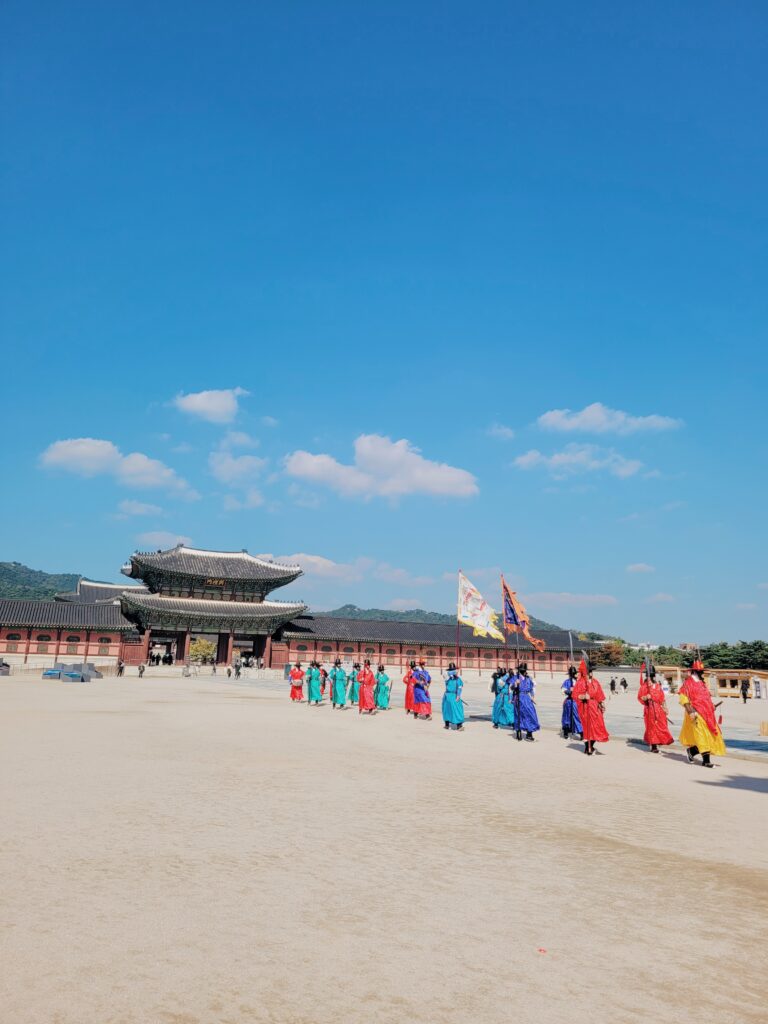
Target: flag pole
504,624
458,609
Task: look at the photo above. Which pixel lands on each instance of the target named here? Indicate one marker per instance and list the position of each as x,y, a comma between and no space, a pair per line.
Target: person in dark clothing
744,690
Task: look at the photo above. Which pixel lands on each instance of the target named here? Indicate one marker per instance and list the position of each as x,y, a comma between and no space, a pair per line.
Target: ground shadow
748,782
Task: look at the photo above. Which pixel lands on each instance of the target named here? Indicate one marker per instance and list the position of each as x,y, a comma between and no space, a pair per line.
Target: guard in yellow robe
700,733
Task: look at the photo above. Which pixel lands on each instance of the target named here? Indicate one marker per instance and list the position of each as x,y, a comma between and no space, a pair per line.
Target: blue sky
396,288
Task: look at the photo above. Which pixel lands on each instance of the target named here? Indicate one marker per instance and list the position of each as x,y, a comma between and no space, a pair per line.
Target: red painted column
145,640
187,641
26,649
87,645
268,653
230,644
58,646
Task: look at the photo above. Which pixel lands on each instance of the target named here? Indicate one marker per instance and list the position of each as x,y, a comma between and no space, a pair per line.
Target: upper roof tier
230,570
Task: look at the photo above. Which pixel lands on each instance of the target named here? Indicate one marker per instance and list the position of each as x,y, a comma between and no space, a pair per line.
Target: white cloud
89,457
599,419
317,566
498,430
237,439
213,406
252,498
383,468
579,458
566,599
137,508
640,567
747,606
391,574
762,586
269,421
660,598
235,470
162,539
404,604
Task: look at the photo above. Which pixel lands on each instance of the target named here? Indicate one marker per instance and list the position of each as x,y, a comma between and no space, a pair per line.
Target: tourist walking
409,679
353,691
623,684
367,682
700,732
570,719
589,694
453,705
422,702
526,716
314,682
338,679
381,693
503,711
744,690
296,676
654,701
120,667
142,668
612,685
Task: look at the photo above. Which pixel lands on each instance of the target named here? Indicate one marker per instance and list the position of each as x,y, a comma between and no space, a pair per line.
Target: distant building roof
63,615
93,592
424,634
230,566
212,616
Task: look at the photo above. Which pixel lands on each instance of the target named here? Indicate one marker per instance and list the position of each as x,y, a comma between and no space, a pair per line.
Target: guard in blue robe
353,691
571,721
503,711
526,717
338,679
453,705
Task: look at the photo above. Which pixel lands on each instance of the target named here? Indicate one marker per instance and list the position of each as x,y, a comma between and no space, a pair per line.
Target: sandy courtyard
193,851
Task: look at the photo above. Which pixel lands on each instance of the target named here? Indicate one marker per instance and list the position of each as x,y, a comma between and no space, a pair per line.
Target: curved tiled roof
227,565
418,634
64,615
267,616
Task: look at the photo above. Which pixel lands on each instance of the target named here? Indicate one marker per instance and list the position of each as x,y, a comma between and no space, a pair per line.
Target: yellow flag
475,611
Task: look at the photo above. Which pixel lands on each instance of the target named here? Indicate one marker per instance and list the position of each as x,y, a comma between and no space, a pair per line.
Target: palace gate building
225,596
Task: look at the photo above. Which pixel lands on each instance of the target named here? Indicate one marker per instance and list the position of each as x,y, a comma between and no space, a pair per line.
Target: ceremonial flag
516,618
475,611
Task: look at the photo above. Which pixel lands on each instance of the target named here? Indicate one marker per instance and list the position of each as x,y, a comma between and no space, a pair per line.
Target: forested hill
351,611
19,582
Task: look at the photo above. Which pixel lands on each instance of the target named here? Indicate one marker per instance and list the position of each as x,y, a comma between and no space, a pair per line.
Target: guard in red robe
297,682
654,701
591,700
367,681
409,680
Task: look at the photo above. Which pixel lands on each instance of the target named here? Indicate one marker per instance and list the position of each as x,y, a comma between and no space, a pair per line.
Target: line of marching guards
514,703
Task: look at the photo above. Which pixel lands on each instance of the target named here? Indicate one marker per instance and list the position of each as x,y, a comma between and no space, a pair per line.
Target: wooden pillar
268,652
87,645
145,641
58,646
26,648
185,645
230,645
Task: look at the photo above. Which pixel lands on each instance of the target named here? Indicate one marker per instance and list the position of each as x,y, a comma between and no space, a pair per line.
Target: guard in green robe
381,692
338,678
353,693
314,683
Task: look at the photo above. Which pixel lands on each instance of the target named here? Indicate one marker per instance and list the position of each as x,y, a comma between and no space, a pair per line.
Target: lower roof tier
63,615
264,617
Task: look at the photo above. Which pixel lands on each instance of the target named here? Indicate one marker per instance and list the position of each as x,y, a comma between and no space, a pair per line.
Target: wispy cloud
235,470
319,567
565,599
137,508
269,421
579,458
762,586
162,539
746,606
404,604
660,598
599,419
382,468
91,457
500,431
252,498
219,406
640,567
391,574
237,439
